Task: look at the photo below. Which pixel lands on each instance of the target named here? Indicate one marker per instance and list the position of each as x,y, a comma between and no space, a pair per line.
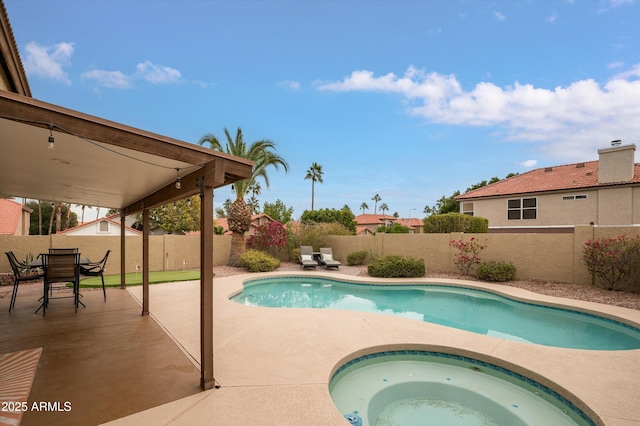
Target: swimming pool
467,309
424,388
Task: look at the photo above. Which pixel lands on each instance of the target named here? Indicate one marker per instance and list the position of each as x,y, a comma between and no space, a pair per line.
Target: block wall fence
554,257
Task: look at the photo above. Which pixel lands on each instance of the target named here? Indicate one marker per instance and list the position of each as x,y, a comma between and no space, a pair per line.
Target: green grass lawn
135,278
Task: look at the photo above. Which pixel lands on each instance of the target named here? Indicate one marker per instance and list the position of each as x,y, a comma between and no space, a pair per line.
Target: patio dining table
41,263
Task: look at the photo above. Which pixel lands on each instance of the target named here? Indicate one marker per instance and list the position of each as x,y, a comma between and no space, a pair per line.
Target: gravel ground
625,299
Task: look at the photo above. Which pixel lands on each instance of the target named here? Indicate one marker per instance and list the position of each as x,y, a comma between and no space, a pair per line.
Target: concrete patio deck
107,360
273,365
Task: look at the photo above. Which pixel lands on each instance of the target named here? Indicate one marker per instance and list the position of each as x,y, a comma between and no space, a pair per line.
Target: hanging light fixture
51,140
178,182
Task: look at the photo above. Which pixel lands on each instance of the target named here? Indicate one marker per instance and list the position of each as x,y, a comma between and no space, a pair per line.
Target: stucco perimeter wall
166,252
554,257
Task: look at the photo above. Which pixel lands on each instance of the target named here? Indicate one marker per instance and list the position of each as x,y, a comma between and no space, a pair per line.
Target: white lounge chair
327,260
306,257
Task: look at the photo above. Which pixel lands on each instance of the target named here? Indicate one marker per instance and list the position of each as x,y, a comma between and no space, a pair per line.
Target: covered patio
106,361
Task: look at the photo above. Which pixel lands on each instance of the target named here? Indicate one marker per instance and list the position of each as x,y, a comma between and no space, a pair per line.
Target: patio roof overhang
96,162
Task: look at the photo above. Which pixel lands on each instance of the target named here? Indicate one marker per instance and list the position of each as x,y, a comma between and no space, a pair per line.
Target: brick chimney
616,164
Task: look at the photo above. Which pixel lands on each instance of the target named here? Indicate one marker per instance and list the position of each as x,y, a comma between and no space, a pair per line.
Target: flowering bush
467,255
269,237
614,261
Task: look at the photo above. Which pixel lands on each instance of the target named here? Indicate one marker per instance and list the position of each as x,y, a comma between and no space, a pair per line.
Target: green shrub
455,222
357,257
395,266
258,261
496,271
615,261
396,228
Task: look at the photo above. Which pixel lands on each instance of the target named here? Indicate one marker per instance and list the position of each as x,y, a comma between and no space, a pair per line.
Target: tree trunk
53,212
39,217
238,248
67,217
239,221
58,218
313,181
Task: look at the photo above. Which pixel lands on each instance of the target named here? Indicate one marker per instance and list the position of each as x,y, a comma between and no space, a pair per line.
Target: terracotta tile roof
556,178
363,230
373,219
10,213
415,222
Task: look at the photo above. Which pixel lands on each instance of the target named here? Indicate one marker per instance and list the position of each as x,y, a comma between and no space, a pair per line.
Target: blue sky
411,100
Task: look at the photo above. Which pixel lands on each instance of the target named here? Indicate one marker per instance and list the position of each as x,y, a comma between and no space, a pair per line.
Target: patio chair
306,257
21,272
63,250
327,260
96,269
61,268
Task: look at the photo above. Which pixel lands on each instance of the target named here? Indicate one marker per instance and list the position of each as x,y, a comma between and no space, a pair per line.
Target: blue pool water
463,308
433,388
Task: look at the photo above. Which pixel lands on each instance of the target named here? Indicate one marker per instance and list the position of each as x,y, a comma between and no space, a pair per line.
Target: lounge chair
306,257
327,260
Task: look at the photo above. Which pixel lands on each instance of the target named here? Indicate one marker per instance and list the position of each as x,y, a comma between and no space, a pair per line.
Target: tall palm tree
364,207
376,198
384,207
315,174
261,152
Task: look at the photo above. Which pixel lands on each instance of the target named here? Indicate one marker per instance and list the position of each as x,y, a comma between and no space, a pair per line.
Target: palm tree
364,207
254,189
384,207
376,198
315,174
261,152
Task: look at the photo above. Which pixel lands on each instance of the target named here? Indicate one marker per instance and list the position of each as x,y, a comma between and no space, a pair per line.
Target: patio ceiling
97,162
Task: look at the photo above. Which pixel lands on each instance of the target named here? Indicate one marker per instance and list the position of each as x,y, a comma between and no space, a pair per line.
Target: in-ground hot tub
425,388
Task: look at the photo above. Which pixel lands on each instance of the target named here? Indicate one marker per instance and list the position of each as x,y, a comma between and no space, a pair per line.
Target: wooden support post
145,262
206,285
123,252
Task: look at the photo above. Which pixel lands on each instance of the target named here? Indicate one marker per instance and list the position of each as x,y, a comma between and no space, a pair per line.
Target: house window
103,226
574,197
522,208
467,208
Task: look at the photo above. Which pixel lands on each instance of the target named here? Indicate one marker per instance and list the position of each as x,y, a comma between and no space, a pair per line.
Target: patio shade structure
102,163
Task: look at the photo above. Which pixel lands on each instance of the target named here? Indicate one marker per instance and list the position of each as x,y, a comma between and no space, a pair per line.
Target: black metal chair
63,250
61,268
21,272
96,269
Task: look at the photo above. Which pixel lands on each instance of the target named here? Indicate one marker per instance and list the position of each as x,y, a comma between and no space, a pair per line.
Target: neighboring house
256,220
414,224
105,226
15,218
555,199
371,222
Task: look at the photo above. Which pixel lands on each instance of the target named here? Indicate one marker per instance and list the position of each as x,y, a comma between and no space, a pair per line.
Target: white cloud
567,122
110,79
157,74
618,3
499,16
48,61
146,71
552,18
529,163
289,84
